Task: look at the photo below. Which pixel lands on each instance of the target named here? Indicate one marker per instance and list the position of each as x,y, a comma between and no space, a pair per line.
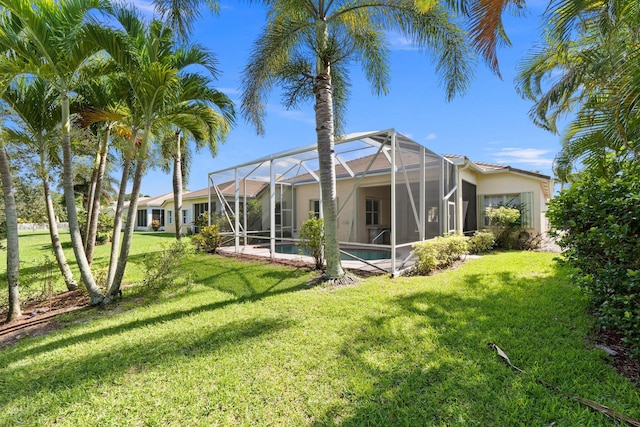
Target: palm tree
590,77
484,18
163,93
307,47
101,110
48,40
35,103
13,252
212,125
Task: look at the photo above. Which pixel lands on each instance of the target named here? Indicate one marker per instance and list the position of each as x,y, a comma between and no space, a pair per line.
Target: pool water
365,254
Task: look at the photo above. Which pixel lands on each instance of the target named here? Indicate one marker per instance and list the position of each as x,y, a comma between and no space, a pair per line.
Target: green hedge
439,252
598,222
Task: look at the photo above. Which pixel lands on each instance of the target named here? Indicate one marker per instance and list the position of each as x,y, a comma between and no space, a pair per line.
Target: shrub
312,238
155,225
597,222
207,240
504,220
528,241
104,230
482,242
439,252
163,269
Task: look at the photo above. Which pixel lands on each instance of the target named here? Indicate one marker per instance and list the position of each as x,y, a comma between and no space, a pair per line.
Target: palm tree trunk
128,228
61,259
117,226
89,202
323,91
13,251
95,295
94,209
177,188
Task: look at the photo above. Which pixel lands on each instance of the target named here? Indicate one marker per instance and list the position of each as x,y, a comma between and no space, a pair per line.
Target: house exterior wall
512,183
351,221
186,205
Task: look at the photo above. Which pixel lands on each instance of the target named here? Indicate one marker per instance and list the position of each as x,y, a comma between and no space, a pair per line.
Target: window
522,201
141,220
169,217
199,209
314,208
185,216
372,212
158,215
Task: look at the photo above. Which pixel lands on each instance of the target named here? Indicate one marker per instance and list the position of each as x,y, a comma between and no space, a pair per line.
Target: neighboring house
196,203
149,209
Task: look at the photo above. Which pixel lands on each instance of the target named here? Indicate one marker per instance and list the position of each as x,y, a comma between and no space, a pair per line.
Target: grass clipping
618,416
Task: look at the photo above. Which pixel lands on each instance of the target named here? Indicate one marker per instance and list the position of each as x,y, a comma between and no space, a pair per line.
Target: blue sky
489,123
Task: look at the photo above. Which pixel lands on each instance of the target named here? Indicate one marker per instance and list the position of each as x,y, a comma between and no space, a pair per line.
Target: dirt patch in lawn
39,317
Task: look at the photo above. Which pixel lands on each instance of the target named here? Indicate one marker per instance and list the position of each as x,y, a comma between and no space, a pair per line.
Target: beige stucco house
392,192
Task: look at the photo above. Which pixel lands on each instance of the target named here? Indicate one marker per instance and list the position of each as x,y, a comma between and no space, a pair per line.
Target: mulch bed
38,317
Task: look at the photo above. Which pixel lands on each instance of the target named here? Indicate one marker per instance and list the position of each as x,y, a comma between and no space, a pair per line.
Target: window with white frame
372,212
158,215
169,217
521,201
141,219
185,216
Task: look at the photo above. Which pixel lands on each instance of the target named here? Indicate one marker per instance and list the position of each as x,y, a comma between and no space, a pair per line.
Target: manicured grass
251,344
38,266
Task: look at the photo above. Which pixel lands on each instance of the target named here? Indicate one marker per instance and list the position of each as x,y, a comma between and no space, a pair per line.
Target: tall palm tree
483,18
47,38
35,103
163,93
13,251
308,46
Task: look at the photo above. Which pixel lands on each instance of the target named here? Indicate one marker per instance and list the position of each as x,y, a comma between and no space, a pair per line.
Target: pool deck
380,266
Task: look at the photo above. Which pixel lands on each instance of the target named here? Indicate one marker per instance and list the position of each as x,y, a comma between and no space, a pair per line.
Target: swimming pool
362,253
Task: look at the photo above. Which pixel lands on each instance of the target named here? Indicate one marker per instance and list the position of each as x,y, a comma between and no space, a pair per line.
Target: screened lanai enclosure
392,193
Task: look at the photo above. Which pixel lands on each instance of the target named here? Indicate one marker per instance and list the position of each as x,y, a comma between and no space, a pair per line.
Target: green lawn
251,344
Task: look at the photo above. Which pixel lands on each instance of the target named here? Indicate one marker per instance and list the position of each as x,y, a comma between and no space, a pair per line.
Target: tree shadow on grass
426,360
242,278
108,366
266,291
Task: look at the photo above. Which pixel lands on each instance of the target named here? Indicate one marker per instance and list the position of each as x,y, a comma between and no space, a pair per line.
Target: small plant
482,242
504,220
164,269
104,230
312,238
155,225
208,240
528,241
439,252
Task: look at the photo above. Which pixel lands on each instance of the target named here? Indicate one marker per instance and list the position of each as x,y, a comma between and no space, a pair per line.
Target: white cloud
398,42
229,91
297,116
527,156
145,6
431,137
